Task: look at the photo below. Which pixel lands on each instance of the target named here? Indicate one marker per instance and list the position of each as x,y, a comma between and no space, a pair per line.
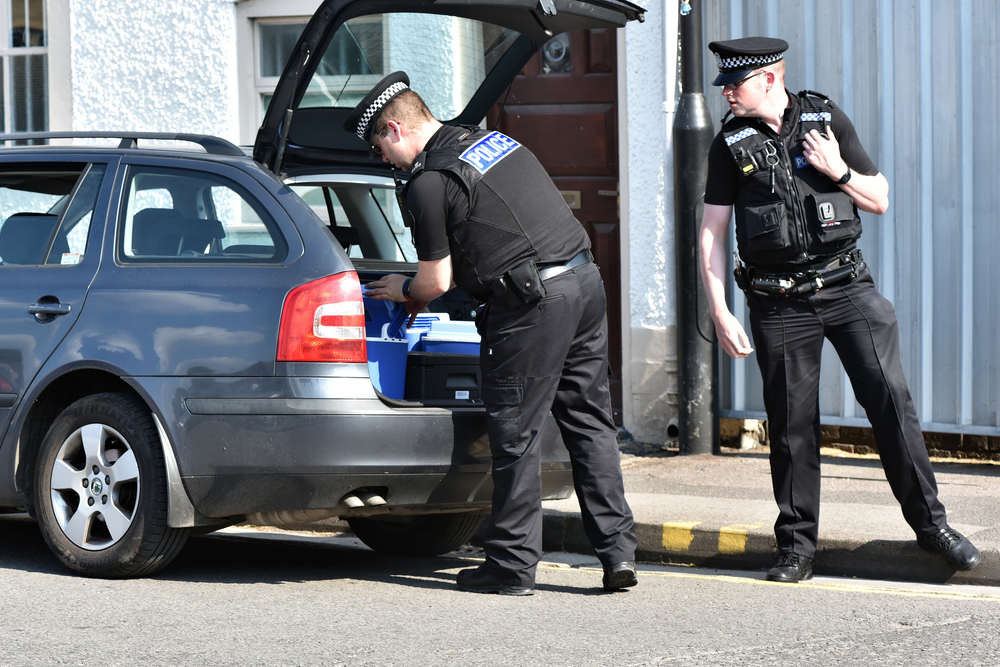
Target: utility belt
826,273
524,284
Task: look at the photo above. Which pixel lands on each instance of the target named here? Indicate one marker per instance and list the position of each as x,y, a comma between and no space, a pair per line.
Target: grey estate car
182,326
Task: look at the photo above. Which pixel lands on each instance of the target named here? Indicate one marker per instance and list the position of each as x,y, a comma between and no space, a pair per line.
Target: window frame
248,14
264,85
60,88
252,85
7,52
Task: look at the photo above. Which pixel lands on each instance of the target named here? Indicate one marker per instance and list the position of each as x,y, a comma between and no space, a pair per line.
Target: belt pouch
502,290
525,281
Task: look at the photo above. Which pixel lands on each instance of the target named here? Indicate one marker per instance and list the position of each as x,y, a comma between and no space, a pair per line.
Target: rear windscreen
447,58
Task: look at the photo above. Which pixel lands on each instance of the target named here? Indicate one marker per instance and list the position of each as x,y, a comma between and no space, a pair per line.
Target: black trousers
861,324
552,355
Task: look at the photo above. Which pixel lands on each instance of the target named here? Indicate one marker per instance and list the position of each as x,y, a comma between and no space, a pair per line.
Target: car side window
70,243
189,216
33,200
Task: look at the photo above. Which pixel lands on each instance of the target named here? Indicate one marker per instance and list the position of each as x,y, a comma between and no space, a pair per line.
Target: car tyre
428,535
101,489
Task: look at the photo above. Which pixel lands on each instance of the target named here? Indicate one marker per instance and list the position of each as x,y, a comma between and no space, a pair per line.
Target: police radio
746,161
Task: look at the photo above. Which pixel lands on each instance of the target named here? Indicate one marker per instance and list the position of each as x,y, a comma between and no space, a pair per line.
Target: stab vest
515,213
788,214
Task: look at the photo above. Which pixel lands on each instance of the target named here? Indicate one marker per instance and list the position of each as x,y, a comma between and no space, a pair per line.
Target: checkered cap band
816,117
737,63
377,105
740,136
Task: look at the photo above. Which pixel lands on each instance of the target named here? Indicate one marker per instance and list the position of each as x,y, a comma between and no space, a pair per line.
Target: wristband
406,289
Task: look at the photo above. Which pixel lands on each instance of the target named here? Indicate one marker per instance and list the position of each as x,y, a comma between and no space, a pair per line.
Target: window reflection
29,102
556,55
27,23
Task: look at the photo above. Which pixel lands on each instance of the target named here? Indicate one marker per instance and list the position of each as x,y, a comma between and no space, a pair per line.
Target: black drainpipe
697,359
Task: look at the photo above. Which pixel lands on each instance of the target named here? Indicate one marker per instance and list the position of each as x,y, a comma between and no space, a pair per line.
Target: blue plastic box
387,363
377,315
457,326
448,342
422,325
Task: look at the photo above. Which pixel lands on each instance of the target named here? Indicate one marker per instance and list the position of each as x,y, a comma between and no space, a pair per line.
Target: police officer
486,216
795,172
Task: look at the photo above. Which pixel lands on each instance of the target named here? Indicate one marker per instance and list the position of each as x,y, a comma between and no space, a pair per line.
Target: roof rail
212,145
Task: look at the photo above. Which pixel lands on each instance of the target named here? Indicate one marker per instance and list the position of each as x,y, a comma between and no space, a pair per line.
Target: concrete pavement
718,511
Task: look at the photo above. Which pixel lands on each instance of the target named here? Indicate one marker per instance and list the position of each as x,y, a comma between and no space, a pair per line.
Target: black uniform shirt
518,214
437,202
723,185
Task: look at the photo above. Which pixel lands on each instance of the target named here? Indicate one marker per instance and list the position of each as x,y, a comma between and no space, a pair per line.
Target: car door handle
48,309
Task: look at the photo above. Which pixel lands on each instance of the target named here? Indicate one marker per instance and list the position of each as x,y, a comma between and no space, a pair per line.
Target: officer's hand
414,308
387,288
824,154
732,337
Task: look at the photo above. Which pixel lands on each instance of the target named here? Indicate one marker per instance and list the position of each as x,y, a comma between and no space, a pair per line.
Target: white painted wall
154,66
648,300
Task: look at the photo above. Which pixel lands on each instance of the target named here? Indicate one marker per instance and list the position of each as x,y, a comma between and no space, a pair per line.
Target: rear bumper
238,456
406,493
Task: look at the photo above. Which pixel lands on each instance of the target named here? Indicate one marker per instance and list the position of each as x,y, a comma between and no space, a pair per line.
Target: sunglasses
736,85
374,145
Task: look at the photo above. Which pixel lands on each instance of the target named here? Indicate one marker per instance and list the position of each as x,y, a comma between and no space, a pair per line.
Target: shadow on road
229,559
234,559
24,549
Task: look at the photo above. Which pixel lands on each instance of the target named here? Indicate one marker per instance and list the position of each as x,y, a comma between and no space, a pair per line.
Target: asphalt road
275,600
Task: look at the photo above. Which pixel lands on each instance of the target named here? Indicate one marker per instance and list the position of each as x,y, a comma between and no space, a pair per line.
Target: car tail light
324,321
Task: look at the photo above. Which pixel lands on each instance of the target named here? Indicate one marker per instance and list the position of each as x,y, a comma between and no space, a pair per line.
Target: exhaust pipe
365,503
372,499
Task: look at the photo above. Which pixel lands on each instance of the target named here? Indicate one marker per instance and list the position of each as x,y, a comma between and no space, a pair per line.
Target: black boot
956,548
620,575
791,568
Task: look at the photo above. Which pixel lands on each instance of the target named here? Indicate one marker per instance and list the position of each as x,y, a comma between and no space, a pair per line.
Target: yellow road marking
846,588
733,539
843,588
677,536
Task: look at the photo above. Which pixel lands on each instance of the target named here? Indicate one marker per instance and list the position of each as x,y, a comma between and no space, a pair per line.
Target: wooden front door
563,107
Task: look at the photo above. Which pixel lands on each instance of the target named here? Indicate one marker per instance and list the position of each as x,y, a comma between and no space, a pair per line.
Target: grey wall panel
919,79
985,192
945,242
985,387
904,190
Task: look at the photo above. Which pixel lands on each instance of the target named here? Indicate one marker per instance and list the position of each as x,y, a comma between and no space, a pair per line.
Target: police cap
737,58
362,118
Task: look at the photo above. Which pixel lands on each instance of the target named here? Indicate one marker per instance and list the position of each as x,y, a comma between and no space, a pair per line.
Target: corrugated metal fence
919,80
